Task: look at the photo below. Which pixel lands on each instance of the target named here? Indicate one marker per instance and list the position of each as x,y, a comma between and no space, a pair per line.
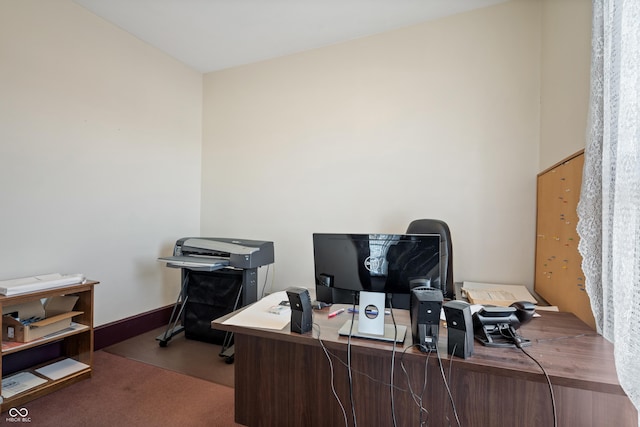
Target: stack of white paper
260,314
20,382
61,369
38,283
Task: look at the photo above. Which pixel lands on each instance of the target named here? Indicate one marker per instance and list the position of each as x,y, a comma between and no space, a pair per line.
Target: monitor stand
388,336
371,313
370,323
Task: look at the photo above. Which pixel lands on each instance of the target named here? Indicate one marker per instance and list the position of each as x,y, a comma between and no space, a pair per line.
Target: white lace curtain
609,207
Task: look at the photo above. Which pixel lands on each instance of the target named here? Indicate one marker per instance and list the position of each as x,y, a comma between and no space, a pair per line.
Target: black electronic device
459,328
346,264
497,326
225,268
524,311
301,310
426,304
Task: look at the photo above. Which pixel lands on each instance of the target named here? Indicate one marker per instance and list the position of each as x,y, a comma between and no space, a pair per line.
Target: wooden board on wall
558,270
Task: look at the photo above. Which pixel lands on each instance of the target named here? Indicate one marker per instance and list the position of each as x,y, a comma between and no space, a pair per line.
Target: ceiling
210,35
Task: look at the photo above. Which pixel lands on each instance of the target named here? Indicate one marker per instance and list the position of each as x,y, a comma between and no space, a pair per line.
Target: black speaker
459,328
301,318
425,307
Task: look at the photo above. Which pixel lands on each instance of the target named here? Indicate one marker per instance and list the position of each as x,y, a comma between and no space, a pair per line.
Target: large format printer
219,275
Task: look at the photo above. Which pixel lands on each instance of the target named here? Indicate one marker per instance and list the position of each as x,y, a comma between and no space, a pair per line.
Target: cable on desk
424,381
446,384
424,388
455,346
364,374
333,389
393,358
353,318
594,334
517,339
419,402
449,376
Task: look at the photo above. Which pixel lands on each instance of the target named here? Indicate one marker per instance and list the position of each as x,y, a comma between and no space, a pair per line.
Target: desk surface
578,361
572,353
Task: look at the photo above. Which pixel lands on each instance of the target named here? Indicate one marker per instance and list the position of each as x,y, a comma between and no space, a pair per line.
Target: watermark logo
18,415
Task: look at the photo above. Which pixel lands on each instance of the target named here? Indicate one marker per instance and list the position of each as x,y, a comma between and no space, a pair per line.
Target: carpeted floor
131,393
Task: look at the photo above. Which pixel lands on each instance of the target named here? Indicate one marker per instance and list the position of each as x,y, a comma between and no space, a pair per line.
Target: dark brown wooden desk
284,379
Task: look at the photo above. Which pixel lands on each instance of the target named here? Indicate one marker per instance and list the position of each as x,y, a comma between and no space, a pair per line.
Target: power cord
364,374
517,339
413,394
353,408
393,359
446,384
568,337
419,401
333,389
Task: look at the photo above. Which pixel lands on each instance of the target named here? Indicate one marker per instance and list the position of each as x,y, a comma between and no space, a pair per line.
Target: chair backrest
436,226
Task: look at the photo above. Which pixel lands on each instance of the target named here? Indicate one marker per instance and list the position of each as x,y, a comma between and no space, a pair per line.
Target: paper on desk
494,294
258,315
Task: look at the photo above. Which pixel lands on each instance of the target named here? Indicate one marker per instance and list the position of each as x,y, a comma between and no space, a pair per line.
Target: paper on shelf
20,382
61,369
38,283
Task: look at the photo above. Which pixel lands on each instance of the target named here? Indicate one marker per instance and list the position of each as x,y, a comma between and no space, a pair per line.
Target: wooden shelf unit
76,344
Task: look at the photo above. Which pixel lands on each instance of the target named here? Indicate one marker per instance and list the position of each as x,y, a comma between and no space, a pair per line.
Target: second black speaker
459,328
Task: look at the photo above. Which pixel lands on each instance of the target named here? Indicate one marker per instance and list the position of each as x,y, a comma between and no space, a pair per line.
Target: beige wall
440,120
566,56
100,151
99,154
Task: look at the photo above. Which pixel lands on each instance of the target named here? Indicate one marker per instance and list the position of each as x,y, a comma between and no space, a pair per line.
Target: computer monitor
346,264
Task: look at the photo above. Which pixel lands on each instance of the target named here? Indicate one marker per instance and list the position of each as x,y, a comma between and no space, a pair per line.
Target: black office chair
436,226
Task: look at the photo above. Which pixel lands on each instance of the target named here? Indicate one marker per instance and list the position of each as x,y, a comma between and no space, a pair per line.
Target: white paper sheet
38,283
61,369
259,315
19,383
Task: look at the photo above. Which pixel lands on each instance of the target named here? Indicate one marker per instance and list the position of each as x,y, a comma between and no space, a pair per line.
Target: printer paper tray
195,263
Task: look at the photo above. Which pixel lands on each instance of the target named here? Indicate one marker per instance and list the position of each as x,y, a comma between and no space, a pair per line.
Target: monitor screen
391,263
